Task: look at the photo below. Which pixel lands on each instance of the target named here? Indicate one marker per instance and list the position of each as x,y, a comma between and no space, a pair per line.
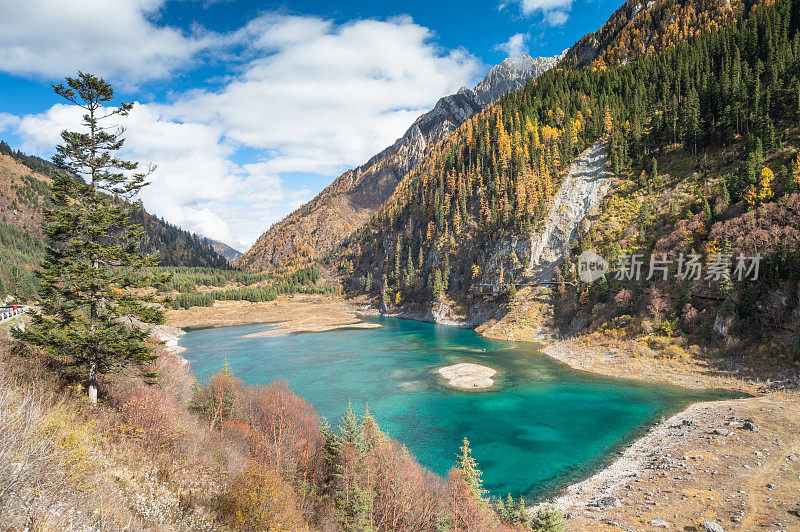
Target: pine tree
797,101
548,519
437,283
93,255
691,117
726,196
385,292
469,470
350,429
707,210
654,171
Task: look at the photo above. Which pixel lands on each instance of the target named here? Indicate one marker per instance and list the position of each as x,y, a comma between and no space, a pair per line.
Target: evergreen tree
93,256
437,283
691,117
350,429
548,519
469,470
385,292
654,171
797,101
726,196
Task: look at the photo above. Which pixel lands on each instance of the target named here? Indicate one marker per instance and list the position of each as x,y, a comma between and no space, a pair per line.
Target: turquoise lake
541,427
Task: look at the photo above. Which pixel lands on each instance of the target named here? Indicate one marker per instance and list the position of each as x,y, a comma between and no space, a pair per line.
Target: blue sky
250,108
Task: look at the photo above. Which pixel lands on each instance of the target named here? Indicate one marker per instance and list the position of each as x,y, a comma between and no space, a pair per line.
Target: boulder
604,503
711,526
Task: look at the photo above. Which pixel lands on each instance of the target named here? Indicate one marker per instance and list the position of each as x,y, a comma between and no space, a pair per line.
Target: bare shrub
174,376
149,416
45,458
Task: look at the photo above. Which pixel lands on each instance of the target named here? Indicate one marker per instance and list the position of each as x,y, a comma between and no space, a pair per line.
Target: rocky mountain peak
511,75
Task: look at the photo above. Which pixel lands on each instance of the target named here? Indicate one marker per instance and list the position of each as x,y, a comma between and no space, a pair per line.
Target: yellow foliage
751,196
260,500
712,248
765,185
762,192
796,176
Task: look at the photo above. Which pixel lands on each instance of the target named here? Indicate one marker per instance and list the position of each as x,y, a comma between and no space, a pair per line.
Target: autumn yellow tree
762,191
765,192
521,194
476,271
608,122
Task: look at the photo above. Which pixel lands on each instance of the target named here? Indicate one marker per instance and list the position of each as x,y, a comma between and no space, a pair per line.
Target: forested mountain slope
25,191
320,225
718,111
647,26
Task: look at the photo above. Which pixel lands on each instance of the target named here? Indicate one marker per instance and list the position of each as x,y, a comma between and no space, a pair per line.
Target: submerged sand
468,376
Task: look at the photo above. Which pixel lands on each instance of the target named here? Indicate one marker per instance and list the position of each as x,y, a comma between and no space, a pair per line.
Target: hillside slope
351,200
702,140
646,26
25,192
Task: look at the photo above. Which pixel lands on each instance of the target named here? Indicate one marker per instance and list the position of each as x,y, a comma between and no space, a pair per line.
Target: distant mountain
350,201
696,140
223,249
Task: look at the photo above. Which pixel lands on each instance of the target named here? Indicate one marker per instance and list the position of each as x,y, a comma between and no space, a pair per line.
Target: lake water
541,427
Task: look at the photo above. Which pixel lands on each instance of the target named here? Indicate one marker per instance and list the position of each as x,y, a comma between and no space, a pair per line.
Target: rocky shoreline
714,466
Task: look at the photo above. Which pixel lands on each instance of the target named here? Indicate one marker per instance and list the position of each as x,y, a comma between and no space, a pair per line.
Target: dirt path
585,185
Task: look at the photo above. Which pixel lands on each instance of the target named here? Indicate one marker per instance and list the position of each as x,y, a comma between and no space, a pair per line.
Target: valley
567,298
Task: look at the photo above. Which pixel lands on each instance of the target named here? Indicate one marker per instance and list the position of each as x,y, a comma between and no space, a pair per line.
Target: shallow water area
541,426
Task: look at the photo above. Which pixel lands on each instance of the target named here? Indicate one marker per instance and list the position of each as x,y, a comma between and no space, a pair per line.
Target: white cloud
115,39
553,12
320,97
516,45
195,185
555,18
7,121
307,94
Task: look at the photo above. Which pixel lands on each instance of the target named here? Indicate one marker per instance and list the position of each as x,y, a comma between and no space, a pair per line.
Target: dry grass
293,313
129,464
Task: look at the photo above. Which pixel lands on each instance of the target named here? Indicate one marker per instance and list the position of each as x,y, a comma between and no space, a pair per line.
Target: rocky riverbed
724,465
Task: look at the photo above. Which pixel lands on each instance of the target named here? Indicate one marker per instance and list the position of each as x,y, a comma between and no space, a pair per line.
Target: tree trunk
91,384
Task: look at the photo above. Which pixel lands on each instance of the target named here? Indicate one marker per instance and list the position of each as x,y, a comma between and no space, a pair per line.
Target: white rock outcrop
583,188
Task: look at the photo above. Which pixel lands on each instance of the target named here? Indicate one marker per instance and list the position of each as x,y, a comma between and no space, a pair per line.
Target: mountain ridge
350,201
